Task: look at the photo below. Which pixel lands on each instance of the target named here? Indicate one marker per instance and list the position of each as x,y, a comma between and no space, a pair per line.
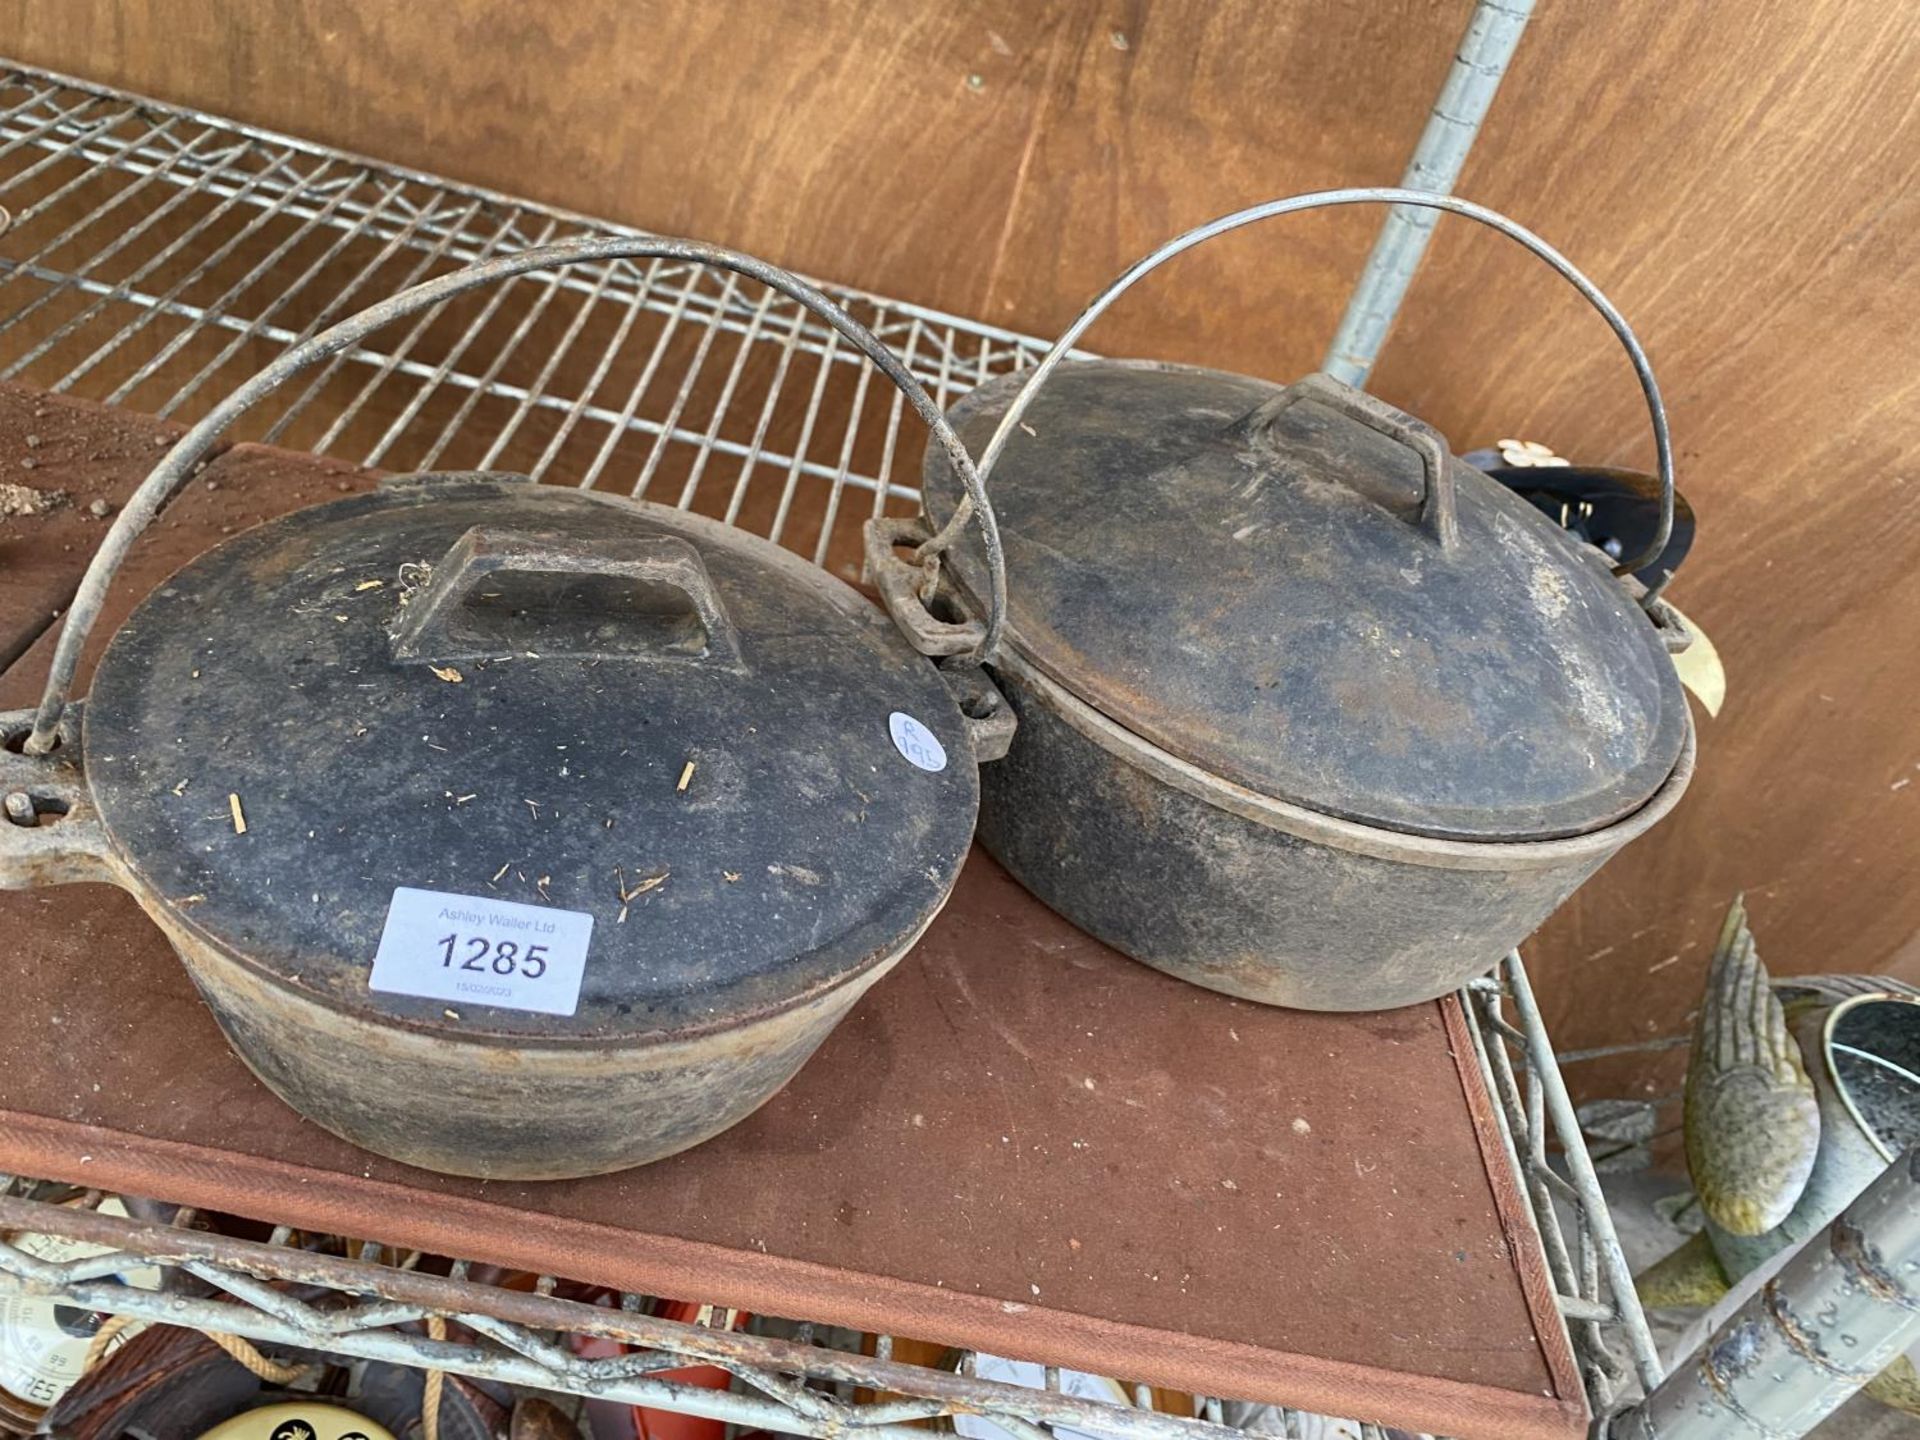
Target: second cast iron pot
1310,712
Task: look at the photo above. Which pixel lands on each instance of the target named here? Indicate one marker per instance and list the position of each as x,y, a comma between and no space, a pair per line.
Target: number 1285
498,957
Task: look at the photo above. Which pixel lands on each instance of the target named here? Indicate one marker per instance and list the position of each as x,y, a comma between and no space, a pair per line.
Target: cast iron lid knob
481,687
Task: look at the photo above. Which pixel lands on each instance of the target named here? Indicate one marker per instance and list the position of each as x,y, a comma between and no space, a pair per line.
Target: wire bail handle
1315,200
178,463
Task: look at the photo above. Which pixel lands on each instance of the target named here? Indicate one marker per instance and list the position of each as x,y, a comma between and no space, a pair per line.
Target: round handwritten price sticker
916,742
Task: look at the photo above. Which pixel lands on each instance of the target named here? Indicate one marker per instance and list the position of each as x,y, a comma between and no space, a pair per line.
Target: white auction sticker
483,952
913,740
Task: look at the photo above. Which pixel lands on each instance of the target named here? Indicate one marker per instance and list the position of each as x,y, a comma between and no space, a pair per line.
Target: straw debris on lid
685,736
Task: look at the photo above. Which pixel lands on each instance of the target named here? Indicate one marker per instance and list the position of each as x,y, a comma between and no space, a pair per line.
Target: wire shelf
156,256
159,256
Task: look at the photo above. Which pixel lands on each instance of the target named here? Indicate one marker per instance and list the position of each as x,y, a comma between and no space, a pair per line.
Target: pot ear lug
50,833
1671,626
901,585
989,719
1675,633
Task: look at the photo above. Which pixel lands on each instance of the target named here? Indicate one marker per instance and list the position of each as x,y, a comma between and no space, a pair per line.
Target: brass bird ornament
1752,1123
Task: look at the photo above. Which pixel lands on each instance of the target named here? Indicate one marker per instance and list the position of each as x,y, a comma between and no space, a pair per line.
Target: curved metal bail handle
178,463
1321,199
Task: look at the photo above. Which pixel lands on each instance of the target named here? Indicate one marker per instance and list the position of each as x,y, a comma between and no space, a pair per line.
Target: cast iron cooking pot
1310,712
508,830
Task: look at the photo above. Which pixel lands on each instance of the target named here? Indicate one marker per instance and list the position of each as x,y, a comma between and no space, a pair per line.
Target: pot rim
1350,835
1840,1088
91,843
184,935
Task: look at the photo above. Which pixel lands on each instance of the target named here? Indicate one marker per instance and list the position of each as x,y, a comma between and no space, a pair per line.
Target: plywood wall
1744,179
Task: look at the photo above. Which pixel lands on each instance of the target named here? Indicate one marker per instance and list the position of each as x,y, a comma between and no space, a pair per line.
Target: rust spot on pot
1852,1248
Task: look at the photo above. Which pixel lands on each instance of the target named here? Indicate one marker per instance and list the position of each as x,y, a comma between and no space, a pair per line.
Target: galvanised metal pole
1837,1313
1492,36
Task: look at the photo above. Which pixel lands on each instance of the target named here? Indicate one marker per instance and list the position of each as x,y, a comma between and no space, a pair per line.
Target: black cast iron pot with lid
508,830
1310,711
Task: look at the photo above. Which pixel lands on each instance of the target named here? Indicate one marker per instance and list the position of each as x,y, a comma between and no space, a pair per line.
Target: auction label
460,948
915,742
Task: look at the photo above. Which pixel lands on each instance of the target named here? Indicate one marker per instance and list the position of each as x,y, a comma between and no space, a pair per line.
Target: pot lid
1255,581
478,687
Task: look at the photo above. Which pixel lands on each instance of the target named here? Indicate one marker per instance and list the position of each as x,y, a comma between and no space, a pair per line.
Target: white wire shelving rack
157,256
154,256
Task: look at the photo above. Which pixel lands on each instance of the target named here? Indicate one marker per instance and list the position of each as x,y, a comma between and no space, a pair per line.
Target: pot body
1239,893
808,854
506,1111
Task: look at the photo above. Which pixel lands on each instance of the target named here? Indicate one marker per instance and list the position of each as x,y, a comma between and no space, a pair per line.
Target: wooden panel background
1745,181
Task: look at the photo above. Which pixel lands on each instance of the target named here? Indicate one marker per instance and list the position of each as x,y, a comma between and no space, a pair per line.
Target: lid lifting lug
904,586
656,601
1438,507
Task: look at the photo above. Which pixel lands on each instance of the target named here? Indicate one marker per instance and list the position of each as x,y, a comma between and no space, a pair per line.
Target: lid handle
1437,511
177,464
501,592
1317,200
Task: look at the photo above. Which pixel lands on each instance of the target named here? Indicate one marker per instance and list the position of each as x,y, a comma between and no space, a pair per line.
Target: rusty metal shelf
792,1376
157,255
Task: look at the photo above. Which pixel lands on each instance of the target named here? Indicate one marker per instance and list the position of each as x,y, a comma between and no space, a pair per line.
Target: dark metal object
1846,1305
612,648
1297,590
735,920
1311,712
1616,510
